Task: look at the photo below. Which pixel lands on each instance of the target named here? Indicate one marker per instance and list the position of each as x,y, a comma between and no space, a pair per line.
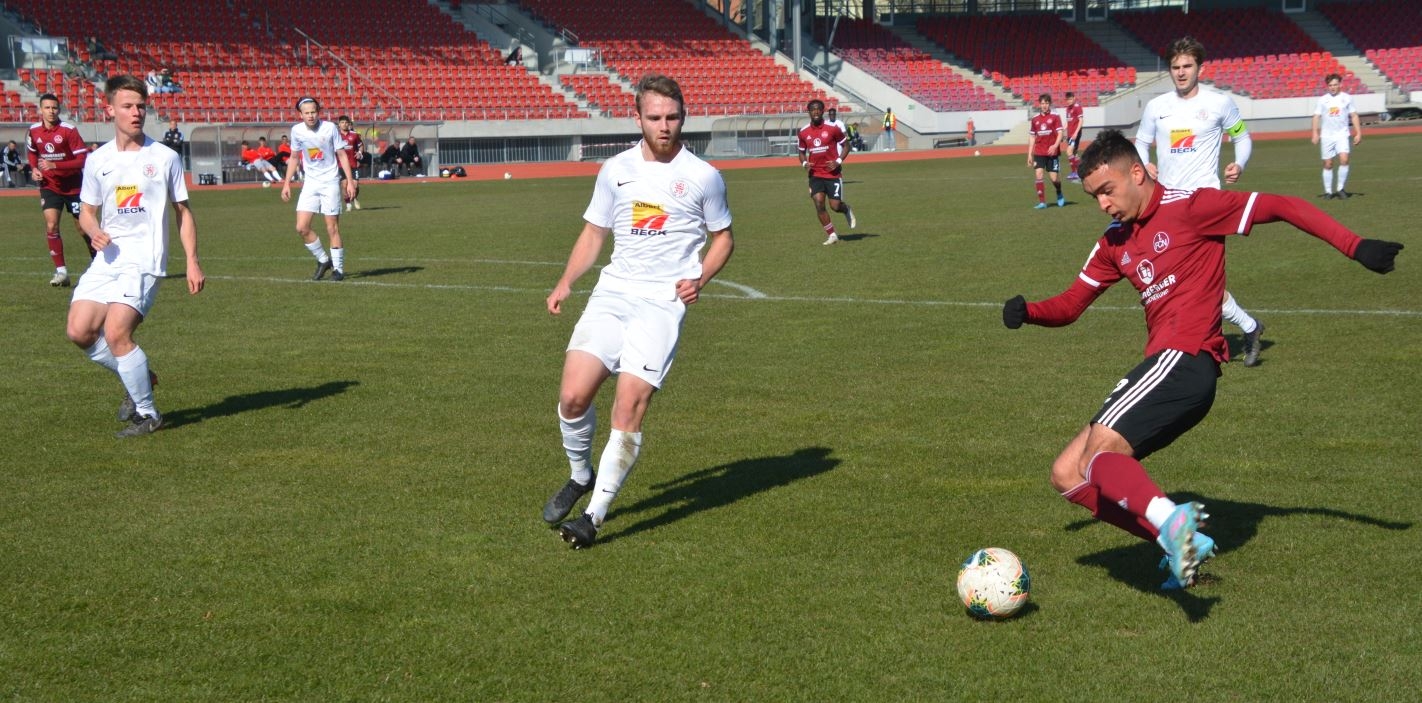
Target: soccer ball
994,584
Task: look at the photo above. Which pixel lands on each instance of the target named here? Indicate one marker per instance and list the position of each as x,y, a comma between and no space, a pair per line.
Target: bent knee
1068,471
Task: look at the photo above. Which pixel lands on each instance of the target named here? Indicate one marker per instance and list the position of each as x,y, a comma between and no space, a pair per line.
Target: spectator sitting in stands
254,160
13,166
515,56
154,82
390,158
410,159
168,84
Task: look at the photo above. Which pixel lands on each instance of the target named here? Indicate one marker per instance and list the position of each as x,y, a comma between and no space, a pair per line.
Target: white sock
271,176
618,458
1237,315
577,442
133,371
338,258
318,251
1158,510
64,271
1342,177
101,354
1328,180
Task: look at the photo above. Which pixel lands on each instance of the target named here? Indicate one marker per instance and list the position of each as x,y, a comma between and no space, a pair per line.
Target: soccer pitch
345,502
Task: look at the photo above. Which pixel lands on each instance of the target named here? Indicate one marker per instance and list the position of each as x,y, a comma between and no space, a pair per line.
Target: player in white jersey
1187,127
832,117
128,185
660,204
317,148
1331,123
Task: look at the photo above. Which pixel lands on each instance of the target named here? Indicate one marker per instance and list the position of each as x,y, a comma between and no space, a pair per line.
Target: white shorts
260,165
320,198
126,286
1333,145
630,334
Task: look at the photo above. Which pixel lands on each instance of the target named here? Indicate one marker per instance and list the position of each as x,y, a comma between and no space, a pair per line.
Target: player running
823,148
1044,150
57,154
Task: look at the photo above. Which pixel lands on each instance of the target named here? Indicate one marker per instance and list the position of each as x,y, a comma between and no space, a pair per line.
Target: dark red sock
56,248
1041,192
1123,481
1074,162
1089,496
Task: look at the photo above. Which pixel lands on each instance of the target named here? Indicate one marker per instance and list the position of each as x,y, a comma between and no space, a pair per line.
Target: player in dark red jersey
355,150
1044,148
1170,245
823,147
57,155
1074,114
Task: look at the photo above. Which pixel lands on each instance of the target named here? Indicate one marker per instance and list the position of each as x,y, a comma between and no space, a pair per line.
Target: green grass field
345,503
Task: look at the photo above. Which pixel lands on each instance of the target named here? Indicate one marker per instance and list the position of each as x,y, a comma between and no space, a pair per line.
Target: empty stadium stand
912,72
1031,54
1389,33
719,73
1252,51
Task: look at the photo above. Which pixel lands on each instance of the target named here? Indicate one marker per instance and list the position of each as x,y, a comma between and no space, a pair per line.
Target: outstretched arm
1376,254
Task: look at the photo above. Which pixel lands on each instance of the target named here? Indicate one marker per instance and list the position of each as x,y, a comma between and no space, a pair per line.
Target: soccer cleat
1040,206
142,425
562,502
1204,546
1342,194
322,268
1177,537
849,215
348,207
60,280
1253,344
127,411
338,275
1328,196
1073,177
831,239
1061,201
581,533
355,204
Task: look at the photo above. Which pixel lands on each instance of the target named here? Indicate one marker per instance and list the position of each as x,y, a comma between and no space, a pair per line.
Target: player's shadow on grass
719,486
371,273
290,398
1237,350
1232,524
857,236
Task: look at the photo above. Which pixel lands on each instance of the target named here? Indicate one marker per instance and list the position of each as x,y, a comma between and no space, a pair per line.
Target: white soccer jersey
1187,135
1335,114
318,150
659,215
132,190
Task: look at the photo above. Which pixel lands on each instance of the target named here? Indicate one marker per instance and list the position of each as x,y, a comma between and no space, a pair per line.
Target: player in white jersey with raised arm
1331,123
128,185
1187,126
661,205
317,148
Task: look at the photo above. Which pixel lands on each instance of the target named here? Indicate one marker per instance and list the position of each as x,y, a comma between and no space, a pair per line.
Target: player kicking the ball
1170,245
660,204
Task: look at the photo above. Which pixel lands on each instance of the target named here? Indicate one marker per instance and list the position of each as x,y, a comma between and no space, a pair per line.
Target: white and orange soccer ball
993,584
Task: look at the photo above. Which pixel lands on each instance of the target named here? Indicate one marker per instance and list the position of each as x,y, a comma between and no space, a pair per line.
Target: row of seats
919,75
1389,32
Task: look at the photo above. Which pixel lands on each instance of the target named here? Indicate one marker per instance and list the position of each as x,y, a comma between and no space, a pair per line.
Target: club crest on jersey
648,219
130,201
59,139
1182,141
1160,242
678,188
1146,270
150,171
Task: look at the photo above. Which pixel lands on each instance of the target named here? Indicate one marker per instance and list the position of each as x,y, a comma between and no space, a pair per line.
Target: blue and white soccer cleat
1177,538
1061,201
1204,547
1040,206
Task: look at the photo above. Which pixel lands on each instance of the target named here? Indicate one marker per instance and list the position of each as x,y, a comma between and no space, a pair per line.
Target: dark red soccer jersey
1073,120
821,147
1045,130
1174,256
353,146
65,149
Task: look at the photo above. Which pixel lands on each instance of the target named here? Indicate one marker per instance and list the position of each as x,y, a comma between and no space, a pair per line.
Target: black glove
1014,312
1376,254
